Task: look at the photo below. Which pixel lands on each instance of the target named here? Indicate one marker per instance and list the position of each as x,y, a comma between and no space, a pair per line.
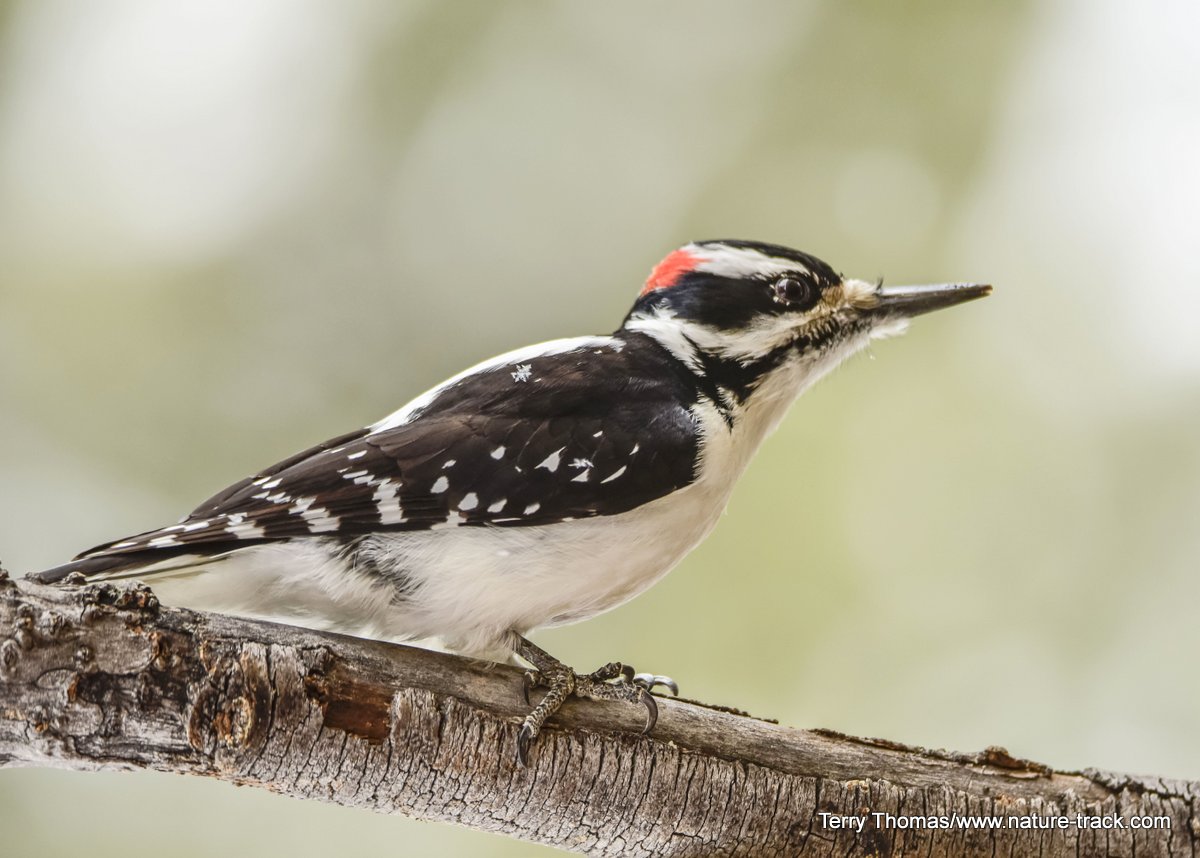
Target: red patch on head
667,273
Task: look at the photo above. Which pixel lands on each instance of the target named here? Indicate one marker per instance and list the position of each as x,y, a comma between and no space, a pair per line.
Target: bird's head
744,312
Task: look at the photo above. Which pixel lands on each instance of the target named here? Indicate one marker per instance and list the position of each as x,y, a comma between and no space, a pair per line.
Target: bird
538,488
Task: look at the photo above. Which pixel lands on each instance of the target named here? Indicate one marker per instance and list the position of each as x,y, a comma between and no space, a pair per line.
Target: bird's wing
485,451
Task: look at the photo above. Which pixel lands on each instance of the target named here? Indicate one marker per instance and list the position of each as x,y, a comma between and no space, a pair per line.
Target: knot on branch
231,702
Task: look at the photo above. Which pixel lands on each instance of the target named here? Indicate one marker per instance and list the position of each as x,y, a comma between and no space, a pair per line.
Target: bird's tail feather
124,567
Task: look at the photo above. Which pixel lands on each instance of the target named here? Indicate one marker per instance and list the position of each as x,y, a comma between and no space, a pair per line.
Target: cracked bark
100,676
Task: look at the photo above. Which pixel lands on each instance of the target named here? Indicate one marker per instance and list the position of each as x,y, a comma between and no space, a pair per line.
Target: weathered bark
101,677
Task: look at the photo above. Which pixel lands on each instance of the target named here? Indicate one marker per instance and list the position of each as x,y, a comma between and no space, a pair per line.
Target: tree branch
101,677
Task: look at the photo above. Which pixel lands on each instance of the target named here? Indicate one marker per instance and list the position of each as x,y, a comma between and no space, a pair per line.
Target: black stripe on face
728,383
721,303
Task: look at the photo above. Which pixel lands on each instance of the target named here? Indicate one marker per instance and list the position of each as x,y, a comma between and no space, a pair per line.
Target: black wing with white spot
524,441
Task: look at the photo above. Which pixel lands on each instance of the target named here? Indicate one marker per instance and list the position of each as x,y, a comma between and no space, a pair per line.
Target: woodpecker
539,488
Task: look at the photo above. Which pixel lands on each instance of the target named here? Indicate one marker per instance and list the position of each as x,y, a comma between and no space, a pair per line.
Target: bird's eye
795,293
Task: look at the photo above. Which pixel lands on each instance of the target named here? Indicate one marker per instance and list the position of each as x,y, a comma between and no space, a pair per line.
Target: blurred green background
231,229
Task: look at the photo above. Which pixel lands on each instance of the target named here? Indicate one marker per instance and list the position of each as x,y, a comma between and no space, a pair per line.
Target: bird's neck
743,398
738,386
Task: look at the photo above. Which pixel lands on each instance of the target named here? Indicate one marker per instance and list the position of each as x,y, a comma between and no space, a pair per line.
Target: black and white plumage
538,488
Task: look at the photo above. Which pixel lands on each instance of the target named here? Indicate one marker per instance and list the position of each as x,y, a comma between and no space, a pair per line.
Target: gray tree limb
100,676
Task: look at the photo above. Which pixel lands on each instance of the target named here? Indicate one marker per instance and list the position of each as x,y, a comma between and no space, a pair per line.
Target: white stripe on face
738,262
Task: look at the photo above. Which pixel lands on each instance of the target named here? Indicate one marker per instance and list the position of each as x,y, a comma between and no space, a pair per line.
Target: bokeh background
230,229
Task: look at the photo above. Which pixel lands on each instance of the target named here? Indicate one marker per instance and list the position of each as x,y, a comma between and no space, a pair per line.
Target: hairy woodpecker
540,487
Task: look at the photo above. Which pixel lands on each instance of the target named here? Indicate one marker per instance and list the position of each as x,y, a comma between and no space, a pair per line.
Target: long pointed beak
908,301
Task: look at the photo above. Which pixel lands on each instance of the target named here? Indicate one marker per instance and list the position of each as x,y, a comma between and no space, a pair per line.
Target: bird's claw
651,711
628,685
525,738
650,681
613,681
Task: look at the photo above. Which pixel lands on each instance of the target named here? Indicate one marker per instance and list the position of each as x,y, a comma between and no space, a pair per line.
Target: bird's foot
614,681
